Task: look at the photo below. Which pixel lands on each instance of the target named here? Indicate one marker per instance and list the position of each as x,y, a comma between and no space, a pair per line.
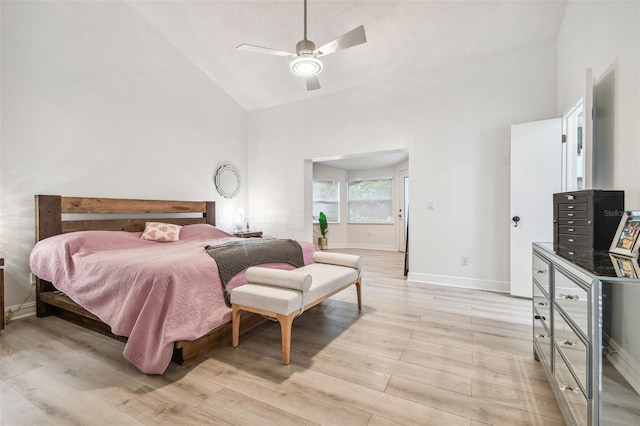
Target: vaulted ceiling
402,36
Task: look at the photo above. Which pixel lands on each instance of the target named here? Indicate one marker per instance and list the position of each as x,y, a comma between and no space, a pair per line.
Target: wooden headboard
95,214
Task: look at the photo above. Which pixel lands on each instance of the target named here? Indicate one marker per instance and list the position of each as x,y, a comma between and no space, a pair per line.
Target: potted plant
322,222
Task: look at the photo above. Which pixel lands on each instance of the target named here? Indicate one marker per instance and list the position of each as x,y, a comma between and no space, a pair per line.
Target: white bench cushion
273,299
294,280
326,279
340,259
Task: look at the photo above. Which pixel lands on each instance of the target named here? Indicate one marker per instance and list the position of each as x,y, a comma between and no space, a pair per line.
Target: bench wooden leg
359,291
285,326
235,326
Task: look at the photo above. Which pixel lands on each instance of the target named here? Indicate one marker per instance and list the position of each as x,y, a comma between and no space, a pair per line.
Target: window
371,201
326,198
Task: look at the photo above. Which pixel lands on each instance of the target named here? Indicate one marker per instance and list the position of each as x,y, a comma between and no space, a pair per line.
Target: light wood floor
416,354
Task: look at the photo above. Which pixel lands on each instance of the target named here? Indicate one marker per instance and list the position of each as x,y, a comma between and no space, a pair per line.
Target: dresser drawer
572,396
581,256
572,214
574,240
572,197
572,206
575,230
542,337
573,349
541,272
573,300
573,252
572,221
542,304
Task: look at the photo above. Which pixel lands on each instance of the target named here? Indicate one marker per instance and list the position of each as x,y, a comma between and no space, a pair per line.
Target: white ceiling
403,36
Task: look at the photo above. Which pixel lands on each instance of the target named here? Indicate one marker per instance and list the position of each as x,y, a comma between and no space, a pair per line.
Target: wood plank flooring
417,354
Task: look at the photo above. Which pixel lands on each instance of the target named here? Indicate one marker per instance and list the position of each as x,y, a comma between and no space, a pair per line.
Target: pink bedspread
154,293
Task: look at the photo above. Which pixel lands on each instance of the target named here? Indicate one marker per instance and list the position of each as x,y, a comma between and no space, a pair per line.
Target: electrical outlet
369,233
464,260
32,277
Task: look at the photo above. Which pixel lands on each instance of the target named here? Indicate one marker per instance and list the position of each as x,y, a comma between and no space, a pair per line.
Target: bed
165,300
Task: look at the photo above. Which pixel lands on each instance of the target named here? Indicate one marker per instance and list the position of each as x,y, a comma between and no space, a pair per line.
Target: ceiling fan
305,61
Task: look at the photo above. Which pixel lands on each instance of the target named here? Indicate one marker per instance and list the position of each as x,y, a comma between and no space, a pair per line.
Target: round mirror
227,181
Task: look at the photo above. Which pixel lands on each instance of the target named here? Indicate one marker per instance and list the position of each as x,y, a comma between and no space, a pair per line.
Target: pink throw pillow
158,231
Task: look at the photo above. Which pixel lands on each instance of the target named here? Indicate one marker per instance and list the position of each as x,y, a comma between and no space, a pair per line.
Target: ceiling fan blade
350,39
259,49
312,83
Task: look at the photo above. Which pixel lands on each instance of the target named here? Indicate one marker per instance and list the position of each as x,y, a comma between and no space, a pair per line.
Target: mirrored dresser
586,334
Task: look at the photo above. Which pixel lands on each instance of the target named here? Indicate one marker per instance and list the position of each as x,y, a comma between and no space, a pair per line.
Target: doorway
379,230
574,157
403,208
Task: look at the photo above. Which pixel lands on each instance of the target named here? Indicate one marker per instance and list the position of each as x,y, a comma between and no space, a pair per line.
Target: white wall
96,103
605,36
455,123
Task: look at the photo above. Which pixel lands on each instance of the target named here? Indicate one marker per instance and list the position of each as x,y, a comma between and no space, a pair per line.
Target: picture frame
626,240
625,267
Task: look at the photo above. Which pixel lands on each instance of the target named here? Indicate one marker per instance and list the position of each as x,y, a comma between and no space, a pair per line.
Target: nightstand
249,234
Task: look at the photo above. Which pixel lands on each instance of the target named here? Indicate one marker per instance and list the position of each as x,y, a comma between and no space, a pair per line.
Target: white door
536,164
588,130
402,191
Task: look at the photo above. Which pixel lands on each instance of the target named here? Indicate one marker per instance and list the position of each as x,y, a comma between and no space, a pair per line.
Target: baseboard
623,362
497,286
362,247
12,313
372,247
337,246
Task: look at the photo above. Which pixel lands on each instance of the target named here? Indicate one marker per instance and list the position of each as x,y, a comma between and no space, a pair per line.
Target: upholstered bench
287,294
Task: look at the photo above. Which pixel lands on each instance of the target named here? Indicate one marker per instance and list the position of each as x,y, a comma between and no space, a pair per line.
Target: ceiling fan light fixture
305,61
306,66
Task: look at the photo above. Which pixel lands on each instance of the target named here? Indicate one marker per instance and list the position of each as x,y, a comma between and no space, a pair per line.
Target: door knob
515,219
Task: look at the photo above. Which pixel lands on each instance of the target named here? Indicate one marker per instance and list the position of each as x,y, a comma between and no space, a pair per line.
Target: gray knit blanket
236,256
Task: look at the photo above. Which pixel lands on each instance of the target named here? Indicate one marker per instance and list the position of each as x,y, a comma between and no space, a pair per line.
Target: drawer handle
542,304
567,343
542,336
570,230
571,240
570,207
573,297
570,214
569,388
570,197
571,253
540,317
570,222
541,271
